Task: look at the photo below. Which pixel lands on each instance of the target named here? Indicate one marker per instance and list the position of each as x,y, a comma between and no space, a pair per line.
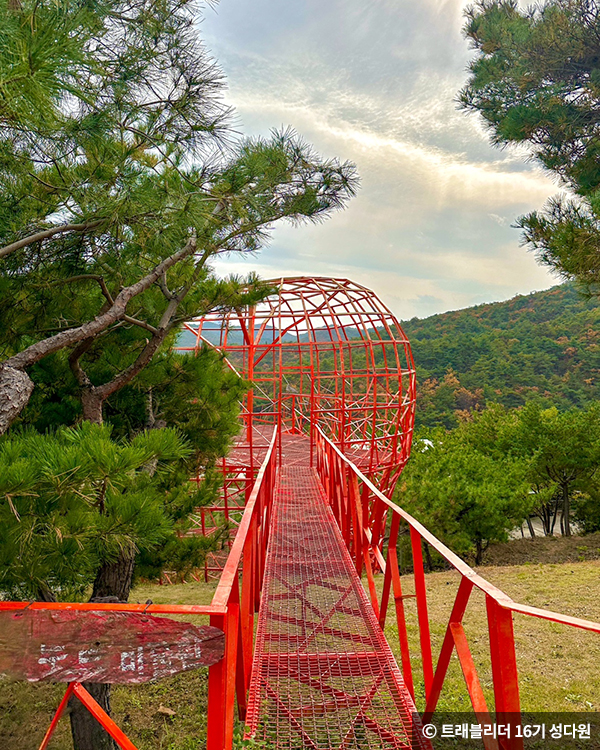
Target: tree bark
16,388
566,510
91,405
554,517
546,516
113,580
44,594
478,551
428,561
46,233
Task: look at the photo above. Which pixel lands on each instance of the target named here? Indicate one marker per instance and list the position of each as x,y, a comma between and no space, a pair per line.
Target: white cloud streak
376,83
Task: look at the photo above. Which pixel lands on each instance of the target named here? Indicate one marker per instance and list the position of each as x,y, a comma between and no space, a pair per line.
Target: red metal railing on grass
231,676
231,610
362,511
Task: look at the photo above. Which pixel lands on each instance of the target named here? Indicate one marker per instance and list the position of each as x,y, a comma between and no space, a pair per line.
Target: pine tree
123,179
536,81
465,496
78,507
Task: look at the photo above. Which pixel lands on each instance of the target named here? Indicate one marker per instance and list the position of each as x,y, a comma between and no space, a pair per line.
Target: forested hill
543,346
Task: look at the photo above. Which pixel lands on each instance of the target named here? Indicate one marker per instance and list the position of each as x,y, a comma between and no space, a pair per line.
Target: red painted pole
458,611
421,592
217,714
103,718
56,718
504,670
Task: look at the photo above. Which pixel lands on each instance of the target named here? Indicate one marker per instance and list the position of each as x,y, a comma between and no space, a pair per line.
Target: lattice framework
324,351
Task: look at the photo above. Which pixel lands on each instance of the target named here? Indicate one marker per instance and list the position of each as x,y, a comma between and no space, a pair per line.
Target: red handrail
234,610
361,511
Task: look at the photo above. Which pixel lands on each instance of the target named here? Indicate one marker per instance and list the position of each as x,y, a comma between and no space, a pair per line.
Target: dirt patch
546,549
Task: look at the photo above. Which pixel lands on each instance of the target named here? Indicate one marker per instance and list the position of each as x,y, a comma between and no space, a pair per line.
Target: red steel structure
327,350
318,349
314,670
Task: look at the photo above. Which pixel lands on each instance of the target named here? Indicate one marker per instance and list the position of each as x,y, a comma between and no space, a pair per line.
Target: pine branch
162,284
80,374
116,311
167,321
47,234
140,323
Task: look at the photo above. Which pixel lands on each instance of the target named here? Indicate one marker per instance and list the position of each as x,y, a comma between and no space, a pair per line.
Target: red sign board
115,647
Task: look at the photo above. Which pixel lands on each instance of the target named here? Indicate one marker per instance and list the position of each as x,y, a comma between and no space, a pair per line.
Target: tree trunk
546,516
478,552
554,517
86,732
92,405
530,527
113,580
428,560
16,388
44,593
566,509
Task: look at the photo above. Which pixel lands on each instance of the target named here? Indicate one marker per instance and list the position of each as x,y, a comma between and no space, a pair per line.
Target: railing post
392,579
356,512
504,670
217,713
421,592
231,653
248,603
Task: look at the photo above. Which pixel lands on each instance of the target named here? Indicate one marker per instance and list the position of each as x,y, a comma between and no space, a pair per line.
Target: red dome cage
324,352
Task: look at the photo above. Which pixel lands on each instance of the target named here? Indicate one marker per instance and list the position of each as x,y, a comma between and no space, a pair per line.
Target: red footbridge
311,575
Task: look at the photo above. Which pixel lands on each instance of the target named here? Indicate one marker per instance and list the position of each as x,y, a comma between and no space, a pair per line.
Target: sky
375,82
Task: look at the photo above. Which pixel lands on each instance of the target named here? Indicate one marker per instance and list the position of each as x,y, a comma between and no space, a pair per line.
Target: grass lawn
559,667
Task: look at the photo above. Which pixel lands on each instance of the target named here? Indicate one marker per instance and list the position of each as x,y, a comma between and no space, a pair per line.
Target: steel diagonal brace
363,704
325,619
314,581
397,693
384,734
341,697
374,726
300,595
293,721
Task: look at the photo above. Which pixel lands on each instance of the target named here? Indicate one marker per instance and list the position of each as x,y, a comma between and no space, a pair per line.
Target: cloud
376,83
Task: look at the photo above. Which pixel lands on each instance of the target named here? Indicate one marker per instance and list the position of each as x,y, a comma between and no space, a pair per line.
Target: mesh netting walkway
323,674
